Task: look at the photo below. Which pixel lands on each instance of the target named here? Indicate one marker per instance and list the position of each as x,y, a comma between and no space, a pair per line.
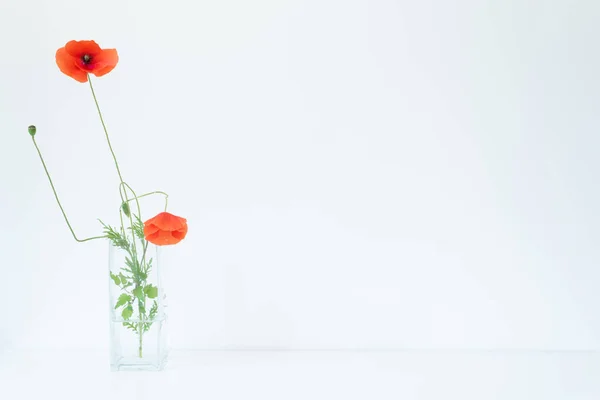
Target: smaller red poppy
78,58
165,229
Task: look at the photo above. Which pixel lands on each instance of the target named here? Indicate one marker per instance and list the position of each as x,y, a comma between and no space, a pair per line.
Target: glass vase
137,307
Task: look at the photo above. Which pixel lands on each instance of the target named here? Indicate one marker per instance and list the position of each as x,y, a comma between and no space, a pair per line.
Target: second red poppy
78,58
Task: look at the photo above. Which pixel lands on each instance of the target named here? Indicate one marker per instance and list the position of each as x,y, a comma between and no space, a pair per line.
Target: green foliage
115,278
138,228
133,276
118,240
151,291
151,316
139,293
127,312
123,299
153,310
129,325
124,280
133,266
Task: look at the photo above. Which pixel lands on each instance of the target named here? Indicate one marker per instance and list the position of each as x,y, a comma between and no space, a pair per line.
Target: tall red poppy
78,58
165,229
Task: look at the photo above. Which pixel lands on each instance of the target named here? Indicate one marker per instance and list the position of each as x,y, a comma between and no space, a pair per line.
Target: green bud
125,208
31,130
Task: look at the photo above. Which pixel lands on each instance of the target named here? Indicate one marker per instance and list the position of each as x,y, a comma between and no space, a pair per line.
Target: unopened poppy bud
125,208
31,130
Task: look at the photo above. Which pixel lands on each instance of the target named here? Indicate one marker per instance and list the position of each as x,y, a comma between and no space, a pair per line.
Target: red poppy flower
78,58
165,229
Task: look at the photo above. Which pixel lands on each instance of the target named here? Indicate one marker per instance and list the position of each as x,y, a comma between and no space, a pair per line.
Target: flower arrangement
79,60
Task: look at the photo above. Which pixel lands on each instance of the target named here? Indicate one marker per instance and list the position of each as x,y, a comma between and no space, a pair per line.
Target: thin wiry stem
105,130
124,197
58,200
151,193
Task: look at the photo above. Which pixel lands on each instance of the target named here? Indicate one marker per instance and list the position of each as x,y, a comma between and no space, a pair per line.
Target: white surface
356,173
310,375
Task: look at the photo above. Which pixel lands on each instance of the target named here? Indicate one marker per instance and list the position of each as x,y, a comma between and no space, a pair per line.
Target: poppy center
86,59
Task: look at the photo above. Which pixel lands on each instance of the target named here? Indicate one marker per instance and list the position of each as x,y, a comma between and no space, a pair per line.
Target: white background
356,174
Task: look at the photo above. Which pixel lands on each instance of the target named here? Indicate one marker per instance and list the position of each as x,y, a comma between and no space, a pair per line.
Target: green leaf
148,265
151,291
138,228
123,278
151,316
123,299
127,312
132,265
117,239
142,308
115,278
129,325
153,310
138,292
127,270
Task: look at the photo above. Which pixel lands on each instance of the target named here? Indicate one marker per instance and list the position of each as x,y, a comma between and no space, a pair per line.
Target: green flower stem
58,200
141,335
121,218
123,187
143,259
111,152
141,303
135,197
124,198
105,131
151,193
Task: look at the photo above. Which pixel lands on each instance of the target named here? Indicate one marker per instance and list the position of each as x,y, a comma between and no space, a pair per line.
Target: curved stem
141,335
139,215
141,303
58,200
121,218
135,197
151,193
126,291
125,198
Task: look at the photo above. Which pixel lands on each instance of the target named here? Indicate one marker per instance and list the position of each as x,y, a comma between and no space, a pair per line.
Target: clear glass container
137,307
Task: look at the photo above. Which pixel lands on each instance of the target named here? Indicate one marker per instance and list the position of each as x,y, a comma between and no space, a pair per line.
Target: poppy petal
183,231
80,48
104,71
150,229
168,222
153,237
165,229
106,61
67,65
162,238
178,235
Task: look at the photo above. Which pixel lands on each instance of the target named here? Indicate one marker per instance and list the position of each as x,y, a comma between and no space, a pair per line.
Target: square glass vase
137,308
